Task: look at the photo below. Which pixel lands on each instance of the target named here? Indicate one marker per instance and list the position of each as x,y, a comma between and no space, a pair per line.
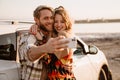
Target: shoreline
98,35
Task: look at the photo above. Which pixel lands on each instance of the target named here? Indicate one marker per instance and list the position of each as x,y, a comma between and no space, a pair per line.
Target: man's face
46,19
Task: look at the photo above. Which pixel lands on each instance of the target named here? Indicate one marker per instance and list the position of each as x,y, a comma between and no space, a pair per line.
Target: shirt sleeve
31,41
25,43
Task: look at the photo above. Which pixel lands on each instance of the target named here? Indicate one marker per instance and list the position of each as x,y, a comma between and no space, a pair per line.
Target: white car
89,62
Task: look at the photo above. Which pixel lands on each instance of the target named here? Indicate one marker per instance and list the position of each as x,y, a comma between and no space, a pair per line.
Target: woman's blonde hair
61,11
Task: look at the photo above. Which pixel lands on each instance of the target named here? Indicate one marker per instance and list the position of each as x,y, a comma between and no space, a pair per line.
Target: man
34,47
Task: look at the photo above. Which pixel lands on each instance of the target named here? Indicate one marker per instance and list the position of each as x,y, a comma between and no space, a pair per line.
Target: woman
60,63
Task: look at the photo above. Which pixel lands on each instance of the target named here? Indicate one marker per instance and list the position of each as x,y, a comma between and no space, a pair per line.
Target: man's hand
33,29
56,44
53,45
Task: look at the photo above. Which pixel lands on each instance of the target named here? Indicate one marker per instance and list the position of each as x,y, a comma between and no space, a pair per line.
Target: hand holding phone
72,42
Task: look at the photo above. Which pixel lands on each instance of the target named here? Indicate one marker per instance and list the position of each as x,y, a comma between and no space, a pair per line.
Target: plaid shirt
30,70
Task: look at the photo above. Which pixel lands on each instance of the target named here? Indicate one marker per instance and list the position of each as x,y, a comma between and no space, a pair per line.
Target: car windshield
8,46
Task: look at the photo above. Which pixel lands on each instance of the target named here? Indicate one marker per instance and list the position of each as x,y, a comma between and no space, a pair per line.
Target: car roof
7,29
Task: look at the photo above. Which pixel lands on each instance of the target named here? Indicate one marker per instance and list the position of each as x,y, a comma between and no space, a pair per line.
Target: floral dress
60,69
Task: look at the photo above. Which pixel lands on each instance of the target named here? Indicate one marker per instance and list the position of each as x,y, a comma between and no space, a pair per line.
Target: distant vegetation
102,20
97,21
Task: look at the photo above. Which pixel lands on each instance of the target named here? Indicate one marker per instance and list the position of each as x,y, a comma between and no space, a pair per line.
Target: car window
80,49
8,46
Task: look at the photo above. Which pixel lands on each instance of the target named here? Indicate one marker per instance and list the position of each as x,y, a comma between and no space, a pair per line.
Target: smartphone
72,42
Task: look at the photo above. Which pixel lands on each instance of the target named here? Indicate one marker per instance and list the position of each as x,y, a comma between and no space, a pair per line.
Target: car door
9,68
83,68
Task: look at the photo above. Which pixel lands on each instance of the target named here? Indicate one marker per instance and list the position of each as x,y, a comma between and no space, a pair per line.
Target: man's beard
42,27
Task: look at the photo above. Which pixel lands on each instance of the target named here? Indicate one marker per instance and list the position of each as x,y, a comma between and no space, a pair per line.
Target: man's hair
36,12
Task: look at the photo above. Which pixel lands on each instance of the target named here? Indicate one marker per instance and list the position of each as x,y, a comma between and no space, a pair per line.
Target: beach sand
110,45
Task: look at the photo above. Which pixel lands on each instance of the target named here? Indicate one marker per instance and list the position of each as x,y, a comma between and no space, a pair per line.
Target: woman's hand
33,29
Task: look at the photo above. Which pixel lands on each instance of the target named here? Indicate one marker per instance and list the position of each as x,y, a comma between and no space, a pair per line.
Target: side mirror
92,49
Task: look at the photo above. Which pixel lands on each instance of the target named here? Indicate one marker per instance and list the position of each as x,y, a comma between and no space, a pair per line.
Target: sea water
97,30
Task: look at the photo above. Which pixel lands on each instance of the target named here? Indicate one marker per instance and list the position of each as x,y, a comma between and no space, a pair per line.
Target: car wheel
102,75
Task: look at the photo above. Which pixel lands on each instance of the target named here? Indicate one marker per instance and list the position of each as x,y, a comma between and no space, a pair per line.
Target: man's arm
53,45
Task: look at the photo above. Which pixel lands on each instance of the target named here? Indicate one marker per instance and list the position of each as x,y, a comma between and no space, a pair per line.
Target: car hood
6,65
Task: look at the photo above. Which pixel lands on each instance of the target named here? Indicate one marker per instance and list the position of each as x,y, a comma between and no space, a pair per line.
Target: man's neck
45,32
50,33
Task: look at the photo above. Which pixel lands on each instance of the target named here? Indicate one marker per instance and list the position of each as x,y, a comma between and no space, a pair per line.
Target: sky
77,9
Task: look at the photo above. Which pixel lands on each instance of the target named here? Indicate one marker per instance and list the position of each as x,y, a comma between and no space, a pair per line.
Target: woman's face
59,23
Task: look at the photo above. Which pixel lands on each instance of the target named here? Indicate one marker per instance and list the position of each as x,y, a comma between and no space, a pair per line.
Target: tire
102,75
